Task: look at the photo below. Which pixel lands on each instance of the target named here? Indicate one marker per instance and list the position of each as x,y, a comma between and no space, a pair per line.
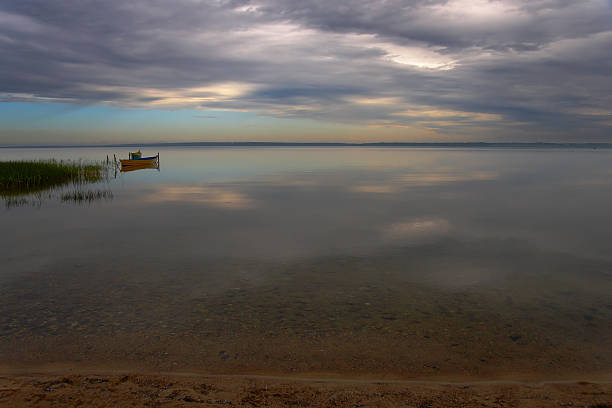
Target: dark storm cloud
524,69
495,24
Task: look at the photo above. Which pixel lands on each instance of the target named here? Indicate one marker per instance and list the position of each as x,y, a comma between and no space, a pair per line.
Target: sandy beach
95,388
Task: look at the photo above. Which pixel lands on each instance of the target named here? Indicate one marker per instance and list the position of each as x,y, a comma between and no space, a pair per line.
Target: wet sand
188,390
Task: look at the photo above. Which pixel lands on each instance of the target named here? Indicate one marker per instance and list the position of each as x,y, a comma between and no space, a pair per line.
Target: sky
85,71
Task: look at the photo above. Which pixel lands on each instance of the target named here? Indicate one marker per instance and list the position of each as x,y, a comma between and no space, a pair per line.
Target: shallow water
401,261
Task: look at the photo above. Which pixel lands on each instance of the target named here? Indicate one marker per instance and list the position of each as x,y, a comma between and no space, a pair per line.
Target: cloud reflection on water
427,179
211,196
416,229
397,183
382,188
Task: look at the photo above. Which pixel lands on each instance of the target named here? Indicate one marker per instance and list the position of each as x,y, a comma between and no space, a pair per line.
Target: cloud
494,69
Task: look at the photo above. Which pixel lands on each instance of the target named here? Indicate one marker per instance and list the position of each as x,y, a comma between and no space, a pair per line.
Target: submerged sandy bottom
336,331
343,315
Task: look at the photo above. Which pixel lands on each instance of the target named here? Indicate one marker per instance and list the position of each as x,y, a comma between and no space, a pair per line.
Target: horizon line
325,144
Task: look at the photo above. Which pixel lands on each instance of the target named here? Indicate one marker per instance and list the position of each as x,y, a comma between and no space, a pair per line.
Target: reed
24,177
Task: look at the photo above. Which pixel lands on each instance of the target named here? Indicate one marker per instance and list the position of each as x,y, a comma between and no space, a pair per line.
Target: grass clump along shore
27,176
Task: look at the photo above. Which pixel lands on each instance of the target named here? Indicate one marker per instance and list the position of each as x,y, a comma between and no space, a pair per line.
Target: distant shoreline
510,145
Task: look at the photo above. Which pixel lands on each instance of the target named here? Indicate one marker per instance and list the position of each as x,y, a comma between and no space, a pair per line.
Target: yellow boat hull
125,162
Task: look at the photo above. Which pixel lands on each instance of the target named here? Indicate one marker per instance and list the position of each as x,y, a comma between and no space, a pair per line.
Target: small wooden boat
136,159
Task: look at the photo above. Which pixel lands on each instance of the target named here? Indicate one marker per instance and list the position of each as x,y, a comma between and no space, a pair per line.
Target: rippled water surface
411,262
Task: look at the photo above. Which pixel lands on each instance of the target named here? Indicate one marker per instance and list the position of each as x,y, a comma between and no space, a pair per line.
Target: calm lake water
409,262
